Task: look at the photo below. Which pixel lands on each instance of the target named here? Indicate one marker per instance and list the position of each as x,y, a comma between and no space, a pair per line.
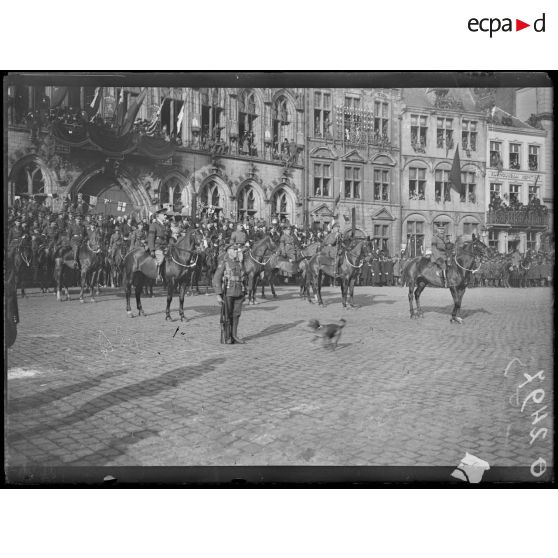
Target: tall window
381,112
322,114
531,240
495,153
247,118
469,135
469,187
210,195
212,113
419,129
169,116
441,223
322,180
29,180
515,192
444,133
352,182
352,125
352,102
415,238
381,238
493,240
246,203
381,185
442,186
495,190
280,206
514,156
417,183
281,124
533,192
470,229
533,158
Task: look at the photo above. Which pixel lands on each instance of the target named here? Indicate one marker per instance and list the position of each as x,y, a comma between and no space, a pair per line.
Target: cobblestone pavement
89,386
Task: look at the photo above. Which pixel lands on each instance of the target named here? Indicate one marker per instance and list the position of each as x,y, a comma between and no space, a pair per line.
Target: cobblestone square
89,386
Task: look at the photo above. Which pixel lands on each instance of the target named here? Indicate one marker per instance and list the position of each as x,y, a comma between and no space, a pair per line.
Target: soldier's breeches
234,306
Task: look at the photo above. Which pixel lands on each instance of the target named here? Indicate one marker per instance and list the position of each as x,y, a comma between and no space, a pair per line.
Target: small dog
329,333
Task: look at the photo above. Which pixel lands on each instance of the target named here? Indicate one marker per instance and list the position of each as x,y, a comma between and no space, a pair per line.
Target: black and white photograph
263,273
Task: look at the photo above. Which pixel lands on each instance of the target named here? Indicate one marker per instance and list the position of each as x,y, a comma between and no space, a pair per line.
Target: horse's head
479,248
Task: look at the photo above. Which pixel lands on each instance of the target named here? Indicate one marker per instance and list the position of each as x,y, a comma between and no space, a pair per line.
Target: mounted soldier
229,282
441,250
239,237
77,235
332,243
157,239
287,245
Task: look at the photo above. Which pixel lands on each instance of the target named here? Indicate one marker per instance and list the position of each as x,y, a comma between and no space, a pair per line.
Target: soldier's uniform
14,236
116,242
239,238
330,246
138,238
515,259
77,235
287,245
439,254
229,282
157,240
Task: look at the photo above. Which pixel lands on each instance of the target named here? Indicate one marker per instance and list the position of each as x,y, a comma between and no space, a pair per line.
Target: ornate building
434,123
515,182
235,152
353,160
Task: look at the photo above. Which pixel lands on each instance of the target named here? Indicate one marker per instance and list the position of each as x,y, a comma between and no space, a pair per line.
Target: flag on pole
455,173
152,128
119,112
95,105
132,112
180,118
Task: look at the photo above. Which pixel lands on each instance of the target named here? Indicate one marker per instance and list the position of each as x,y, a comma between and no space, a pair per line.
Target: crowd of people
506,203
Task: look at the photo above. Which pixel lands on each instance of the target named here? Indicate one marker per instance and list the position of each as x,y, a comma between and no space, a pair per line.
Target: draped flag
132,112
119,112
93,108
58,95
180,118
455,173
152,128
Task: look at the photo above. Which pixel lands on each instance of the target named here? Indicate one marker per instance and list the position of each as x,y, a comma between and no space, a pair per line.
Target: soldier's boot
444,278
235,336
159,278
228,338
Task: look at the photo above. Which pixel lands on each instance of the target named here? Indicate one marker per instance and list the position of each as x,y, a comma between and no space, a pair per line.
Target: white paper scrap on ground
470,469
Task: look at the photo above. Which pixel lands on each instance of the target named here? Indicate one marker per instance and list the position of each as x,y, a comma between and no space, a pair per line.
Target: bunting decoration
94,107
455,173
180,119
119,112
154,125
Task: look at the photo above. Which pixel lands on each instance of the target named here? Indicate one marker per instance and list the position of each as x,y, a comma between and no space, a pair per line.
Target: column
522,242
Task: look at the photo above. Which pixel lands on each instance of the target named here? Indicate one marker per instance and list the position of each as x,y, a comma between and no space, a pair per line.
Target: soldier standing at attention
229,282
77,235
115,241
157,239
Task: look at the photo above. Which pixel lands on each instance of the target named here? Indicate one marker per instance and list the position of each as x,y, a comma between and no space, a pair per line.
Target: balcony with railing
518,217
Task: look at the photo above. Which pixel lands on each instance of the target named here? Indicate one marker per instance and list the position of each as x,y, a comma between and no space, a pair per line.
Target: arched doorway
212,200
106,196
281,206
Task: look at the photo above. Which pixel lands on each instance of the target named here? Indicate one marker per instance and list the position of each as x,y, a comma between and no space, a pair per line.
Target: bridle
465,268
261,263
358,257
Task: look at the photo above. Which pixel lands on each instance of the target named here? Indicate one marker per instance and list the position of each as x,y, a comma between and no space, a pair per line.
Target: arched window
210,196
415,236
280,205
171,193
247,117
165,192
29,180
246,203
282,125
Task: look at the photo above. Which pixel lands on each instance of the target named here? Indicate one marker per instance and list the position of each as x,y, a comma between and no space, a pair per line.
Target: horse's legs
411,288
272,275
457,295
319,287
170,292
352,282
139,288
418,292
181,291
128,288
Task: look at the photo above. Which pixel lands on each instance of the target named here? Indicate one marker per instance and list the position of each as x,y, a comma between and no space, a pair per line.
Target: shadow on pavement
272,330
129,392
447,310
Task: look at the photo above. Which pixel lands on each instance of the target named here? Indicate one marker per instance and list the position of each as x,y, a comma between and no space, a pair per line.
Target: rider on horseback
157,240
440,252
287,246
331,244
239,238
77,234
115,242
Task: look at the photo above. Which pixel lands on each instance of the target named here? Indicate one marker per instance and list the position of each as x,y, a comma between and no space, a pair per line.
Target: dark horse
352,259
255,260
421,272
140,269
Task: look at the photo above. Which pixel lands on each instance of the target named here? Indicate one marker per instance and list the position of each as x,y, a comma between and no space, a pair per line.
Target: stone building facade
434,123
